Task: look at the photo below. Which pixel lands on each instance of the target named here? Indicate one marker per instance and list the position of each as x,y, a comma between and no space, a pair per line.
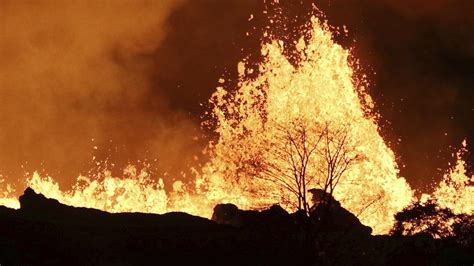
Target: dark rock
274,218
38,207
227,214
327,214
46,232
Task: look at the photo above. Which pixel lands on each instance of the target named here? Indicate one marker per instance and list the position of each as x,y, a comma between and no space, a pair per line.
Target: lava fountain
320,89
456,189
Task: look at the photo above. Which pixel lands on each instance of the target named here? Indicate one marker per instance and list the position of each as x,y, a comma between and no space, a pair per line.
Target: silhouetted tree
430,218
305,155
338,154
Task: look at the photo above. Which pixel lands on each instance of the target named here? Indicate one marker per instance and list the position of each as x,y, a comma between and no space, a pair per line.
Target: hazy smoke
73,71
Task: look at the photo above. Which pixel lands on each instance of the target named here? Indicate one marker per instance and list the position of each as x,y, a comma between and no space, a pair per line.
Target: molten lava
456,190
320,89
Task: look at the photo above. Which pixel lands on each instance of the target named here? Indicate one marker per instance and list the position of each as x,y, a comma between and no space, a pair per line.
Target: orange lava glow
456,190
321,88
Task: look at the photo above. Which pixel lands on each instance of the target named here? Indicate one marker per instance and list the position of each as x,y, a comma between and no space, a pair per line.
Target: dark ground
45,232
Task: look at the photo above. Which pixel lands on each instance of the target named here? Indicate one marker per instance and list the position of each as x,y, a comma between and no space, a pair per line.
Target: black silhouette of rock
329,215
46,232
32,203
41,208
274,218
227,214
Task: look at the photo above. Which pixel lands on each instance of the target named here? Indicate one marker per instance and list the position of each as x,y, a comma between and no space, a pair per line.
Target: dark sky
140,74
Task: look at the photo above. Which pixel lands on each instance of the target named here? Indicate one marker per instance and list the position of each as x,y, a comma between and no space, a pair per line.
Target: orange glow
321,88
456,190
6,198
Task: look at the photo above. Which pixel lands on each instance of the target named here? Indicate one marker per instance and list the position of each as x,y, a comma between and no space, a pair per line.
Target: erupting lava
456,190
321,88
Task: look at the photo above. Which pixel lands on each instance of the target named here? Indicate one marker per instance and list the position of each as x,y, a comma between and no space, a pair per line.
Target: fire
322,88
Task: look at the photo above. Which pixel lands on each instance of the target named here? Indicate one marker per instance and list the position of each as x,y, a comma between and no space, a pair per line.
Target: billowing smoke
76,81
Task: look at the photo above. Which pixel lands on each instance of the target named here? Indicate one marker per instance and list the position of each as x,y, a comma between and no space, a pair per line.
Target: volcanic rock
46,232
274,218
38,207
331,216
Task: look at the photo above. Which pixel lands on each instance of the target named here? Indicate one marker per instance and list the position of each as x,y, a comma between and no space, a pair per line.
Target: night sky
133,79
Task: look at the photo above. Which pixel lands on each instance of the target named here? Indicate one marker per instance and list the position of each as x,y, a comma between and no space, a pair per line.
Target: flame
320,88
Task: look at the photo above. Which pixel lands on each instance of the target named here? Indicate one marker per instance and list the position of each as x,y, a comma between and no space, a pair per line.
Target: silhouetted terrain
45,232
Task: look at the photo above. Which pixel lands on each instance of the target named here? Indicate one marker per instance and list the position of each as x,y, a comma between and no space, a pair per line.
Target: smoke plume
76,81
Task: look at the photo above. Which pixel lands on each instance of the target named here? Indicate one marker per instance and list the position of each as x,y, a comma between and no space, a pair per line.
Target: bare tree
304,155
338,153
